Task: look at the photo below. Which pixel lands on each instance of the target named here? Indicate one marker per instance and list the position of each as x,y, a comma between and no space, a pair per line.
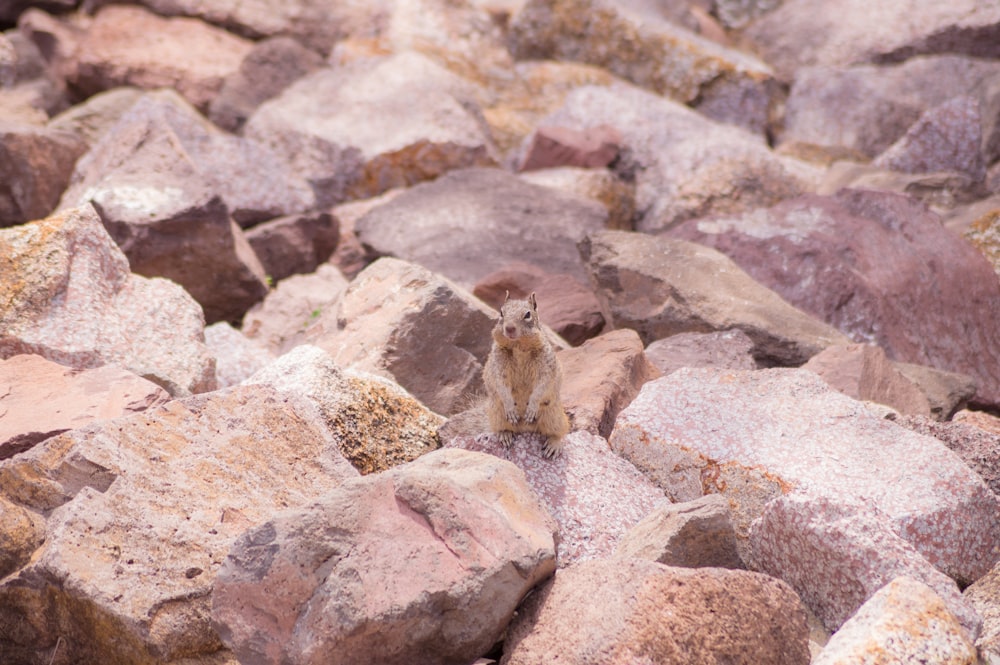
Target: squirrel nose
510,330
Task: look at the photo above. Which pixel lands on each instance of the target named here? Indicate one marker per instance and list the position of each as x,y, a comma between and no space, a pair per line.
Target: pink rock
35,167
594,496
423,563
66,294
39,399
978,447
836,553
236,356
984,595
693,427
726,349
559,146
295,244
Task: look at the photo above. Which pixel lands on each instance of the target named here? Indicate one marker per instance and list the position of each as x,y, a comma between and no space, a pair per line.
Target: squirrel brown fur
523,378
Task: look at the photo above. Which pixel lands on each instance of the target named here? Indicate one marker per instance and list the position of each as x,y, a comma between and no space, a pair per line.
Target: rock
426,561
904,622
836,553
948,137
267,69
979,448
692,534
872,264
406,323
21,533
558,146
946,392
984,596
376,424
845,32
356,131
91,119
67,295
13,8
35,168
641,45
283,319
863,371
684,165
295,244
984,234
350,257
629,610
39,399
700,430
568,307
594,495
601,377
726,349
236,357
131,552
979,419
600,185
659,287
35,89
469,223
738,13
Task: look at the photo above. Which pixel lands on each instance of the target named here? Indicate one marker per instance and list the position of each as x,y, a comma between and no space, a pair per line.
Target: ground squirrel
523,378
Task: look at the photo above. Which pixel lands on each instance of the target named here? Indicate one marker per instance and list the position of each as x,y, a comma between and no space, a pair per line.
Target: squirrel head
518,321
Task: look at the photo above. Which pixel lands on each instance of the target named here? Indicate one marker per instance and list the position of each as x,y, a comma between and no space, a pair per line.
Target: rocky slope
249,259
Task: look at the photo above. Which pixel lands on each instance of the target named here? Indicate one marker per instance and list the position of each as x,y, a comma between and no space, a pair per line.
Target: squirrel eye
527,316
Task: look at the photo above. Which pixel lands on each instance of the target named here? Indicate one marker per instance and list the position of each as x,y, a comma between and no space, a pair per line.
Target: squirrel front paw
510,413
531,414
506,438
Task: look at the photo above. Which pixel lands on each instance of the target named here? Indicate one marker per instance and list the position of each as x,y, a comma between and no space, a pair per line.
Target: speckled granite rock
726,349
978,447
984,595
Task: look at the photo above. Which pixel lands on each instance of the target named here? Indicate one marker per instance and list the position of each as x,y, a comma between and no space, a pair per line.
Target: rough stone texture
141,513
66,294
980,419
567,306
358,130
376,424
236,357
984,234
979,448
601,185
92,118
863,371
660,286
558,146
282,320
984,596
40,398
295,244
946,392
601,377
948,137
21,533
622,611
402,321
726,349
426,562
873,264
700,430
350,257
905,622
638,43
472,222
35,167
684,165
844,32
692,534
836,553
594,495
267,69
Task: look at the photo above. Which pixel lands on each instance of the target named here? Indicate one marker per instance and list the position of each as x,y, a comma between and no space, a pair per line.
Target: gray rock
726,349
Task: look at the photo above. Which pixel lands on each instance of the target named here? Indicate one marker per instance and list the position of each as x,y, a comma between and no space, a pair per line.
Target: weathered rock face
978,447
904,622
361,129
984,596
470,223
726,349
946,392
35,167
21,533
873,264
427,561
615,193
91,119
67,295
400,320
629,610
294,244
40,398
755,435
659,287
132,552
236,356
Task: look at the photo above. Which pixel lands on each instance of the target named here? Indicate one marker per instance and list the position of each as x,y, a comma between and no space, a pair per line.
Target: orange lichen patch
984,234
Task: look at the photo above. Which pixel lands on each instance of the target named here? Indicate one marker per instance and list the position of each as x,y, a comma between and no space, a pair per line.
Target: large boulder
756,435
35,168
660,286
66,294
140,514
881,268
424,563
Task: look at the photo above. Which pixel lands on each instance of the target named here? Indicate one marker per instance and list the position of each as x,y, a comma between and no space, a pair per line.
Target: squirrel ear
506,297
532,301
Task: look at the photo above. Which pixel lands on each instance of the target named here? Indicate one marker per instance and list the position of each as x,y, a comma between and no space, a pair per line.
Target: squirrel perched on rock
523,378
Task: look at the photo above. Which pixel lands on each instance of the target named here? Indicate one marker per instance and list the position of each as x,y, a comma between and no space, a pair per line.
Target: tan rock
984,596
21,533
92,118
601,185
946,392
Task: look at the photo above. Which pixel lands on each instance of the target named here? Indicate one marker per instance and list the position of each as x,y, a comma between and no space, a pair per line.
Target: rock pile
250,256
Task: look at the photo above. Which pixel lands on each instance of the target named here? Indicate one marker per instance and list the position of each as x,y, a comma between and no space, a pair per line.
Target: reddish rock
236,357
594,495
624,611
39,399
427,561
873,265
570,308
946,392
66,294
35,168
559,146
601,377
977,447
726,349
295,244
